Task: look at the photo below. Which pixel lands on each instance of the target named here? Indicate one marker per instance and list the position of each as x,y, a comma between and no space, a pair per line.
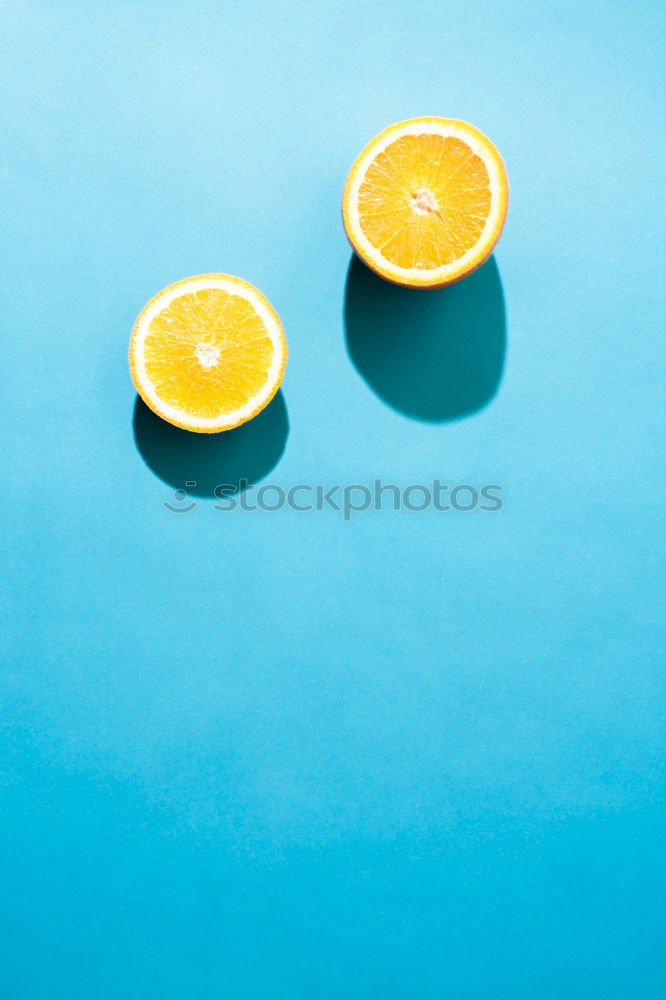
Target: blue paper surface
250,755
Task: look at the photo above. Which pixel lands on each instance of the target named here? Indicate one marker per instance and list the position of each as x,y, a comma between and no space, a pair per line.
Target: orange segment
208,353
425,201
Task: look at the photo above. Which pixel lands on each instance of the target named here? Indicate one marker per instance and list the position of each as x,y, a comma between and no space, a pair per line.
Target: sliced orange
208,353
425,202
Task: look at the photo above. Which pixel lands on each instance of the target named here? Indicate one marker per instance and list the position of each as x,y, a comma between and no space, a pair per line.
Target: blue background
276,755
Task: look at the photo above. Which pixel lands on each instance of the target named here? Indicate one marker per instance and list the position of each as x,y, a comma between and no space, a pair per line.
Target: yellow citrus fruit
425,202
208,353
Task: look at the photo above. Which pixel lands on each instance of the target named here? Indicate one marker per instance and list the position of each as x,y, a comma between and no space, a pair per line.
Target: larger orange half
425,202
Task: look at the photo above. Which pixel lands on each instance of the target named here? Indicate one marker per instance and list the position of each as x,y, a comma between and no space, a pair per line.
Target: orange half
208,353
425,202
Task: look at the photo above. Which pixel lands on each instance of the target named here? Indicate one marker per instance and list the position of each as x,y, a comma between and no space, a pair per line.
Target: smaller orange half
208,353
425,202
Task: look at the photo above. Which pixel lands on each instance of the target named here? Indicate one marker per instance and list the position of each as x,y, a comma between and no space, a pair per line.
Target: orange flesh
208,353
424,201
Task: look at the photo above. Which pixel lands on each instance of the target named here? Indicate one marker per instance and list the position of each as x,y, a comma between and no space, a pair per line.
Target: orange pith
208,353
